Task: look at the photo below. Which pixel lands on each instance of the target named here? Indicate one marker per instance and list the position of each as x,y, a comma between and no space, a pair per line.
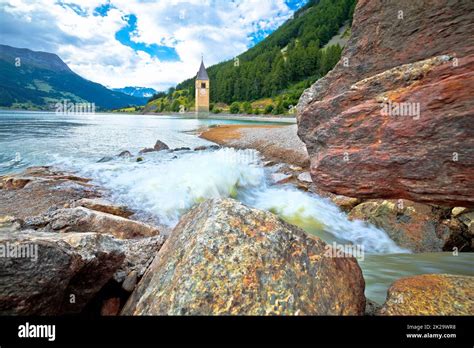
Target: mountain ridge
37,80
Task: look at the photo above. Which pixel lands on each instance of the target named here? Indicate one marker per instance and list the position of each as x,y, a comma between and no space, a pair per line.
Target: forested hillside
283,64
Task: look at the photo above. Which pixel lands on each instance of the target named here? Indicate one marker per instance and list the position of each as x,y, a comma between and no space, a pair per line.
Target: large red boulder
394,118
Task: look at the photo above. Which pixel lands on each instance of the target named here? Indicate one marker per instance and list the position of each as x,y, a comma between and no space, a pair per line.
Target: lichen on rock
224,258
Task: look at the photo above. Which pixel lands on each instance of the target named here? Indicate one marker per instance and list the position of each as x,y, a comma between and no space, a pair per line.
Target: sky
146,43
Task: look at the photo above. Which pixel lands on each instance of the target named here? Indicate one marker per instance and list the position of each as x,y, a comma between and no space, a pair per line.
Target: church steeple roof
202,73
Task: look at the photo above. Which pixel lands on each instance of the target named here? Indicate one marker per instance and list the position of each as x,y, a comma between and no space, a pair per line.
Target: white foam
166,185
292,204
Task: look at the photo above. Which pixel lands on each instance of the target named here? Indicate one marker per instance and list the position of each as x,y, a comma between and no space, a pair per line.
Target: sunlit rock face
394,117
224,258
430,294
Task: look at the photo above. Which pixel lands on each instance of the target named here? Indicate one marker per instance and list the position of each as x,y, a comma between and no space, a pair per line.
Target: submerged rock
430,294
378,127
104,206
181,149
106,159
146,150
81,219
160,146
204,147
57,273
411,225
225,258
125,154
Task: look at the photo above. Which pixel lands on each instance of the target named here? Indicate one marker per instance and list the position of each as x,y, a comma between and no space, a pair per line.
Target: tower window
203,85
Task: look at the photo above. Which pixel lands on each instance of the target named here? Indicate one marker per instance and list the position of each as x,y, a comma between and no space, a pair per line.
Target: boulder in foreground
224,258
52,274
431,294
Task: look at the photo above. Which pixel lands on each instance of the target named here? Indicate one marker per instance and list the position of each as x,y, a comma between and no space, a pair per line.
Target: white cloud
219,29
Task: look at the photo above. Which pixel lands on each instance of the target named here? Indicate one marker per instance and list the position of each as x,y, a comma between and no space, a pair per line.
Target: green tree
235,108
268,109
247,107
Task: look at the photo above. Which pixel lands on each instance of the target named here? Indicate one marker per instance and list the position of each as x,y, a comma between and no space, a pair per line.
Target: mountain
279,67
140,92
32,79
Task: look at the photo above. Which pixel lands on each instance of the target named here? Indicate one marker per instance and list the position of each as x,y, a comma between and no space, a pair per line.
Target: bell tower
202,90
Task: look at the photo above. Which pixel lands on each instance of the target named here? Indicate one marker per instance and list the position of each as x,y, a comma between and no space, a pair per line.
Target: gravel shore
274,142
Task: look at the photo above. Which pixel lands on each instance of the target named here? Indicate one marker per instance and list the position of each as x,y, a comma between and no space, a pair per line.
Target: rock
146,150
295,168
467,218
356,149
411,225
460,239
345,203
68,270
140,159
456,211
102,205
9,224
372,307
45,190
125,154
139,253
203,148
224,258
106,159
269,163
160,146
280,178
110,307
181,149
130,281
15,183
81,219
305,177
430,294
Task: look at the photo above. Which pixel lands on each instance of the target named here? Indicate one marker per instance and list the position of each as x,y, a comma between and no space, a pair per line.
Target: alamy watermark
344,250
66,107
19,251
405,109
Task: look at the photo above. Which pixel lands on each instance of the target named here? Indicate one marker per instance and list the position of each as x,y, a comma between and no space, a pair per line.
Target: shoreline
225,116
275,142
222,116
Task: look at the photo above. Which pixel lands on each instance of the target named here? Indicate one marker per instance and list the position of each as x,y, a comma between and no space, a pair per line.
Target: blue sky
141,42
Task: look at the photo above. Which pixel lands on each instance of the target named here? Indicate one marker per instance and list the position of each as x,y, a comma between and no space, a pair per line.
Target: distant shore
233,117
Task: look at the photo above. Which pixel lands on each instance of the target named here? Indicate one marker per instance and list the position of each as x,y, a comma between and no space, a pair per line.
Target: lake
165,184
